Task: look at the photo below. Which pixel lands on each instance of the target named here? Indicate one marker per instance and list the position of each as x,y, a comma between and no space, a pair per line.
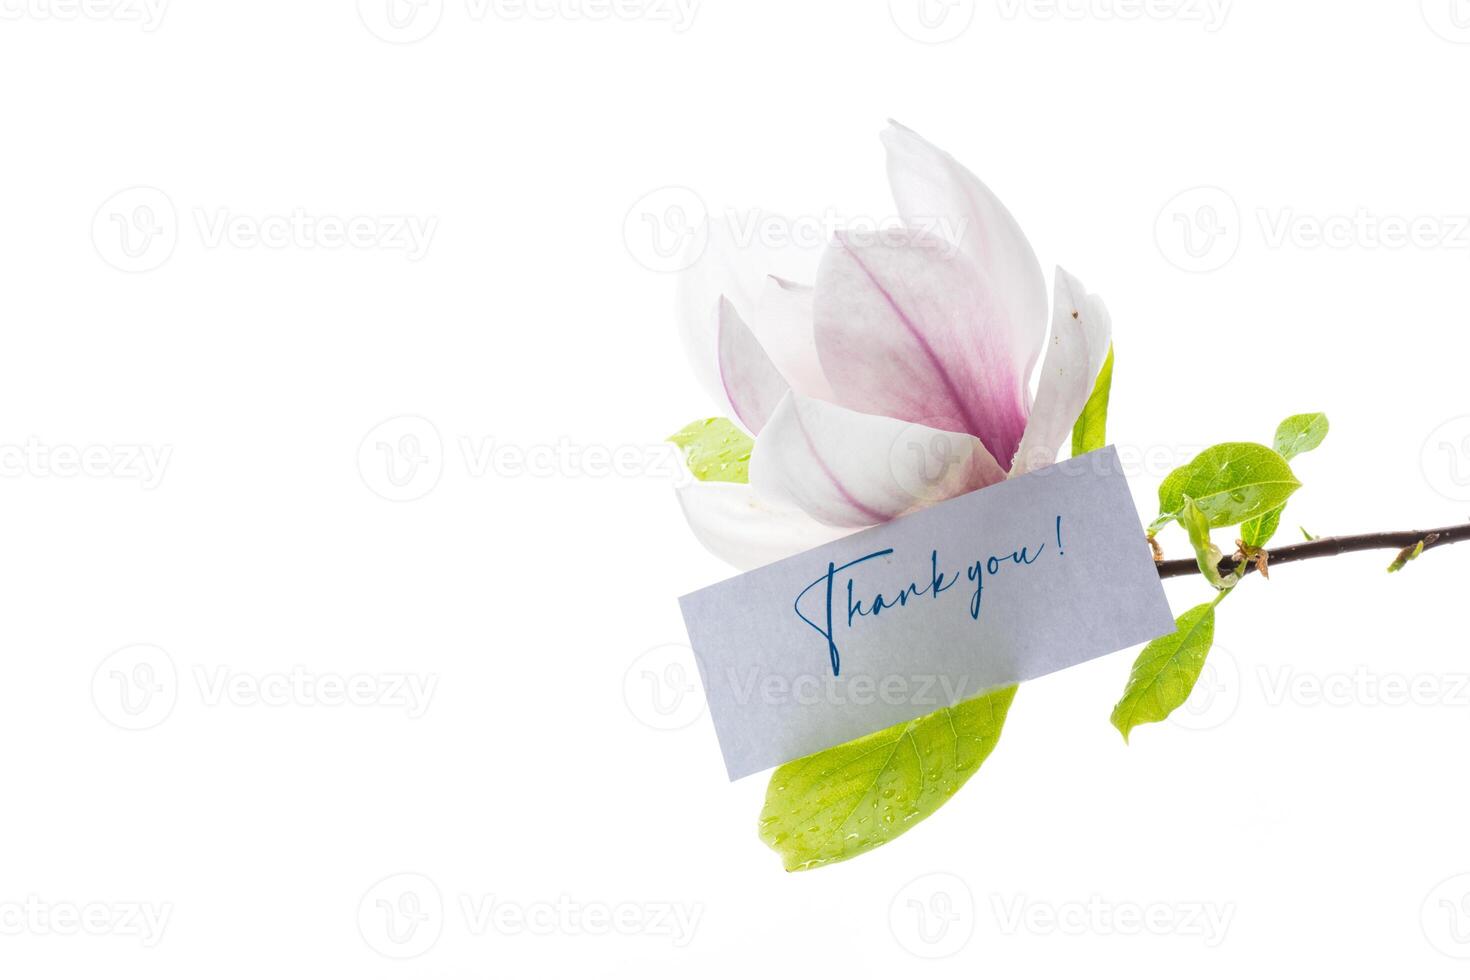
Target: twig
1327,547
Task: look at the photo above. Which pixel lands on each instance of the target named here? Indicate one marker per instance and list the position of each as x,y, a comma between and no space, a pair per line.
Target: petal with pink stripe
751,383
847,469
905,327
935,194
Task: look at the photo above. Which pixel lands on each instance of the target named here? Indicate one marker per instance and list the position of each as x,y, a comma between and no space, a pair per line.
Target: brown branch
1328,547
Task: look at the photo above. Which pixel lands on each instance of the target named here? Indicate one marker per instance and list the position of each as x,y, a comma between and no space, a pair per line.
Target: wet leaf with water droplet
1294,436
1166,671
716,449
811,816
1299,434
1231,483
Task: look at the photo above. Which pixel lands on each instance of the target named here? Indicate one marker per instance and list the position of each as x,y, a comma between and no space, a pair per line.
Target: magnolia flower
905,345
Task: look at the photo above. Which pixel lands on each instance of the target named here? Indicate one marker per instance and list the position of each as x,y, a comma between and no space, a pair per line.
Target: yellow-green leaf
843,801
1300,433
1259,531
1295,435
1232,483
1206,554
716,449
1091,430
1166,671
1406,556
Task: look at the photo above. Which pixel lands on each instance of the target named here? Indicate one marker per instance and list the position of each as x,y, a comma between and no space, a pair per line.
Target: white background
537,778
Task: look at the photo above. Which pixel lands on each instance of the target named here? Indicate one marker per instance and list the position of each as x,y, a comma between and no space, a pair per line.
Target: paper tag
999,586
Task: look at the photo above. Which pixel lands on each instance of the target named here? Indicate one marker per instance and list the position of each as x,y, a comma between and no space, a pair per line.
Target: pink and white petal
787,331
743,530
907,328
730,257
934,193
847,469
1080,333
752,385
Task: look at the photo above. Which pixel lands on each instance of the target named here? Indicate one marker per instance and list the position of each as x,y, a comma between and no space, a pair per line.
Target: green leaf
1307,534
716,449
1231,483
1406,556
1171,497
1256,533
849,799
1206,554
1300,434
1091,430
1294,436
1167,669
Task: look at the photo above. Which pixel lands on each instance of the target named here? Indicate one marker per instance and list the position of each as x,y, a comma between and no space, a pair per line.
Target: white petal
934,194
847,469
740,528
735,258
751,384
786,323
1080,333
